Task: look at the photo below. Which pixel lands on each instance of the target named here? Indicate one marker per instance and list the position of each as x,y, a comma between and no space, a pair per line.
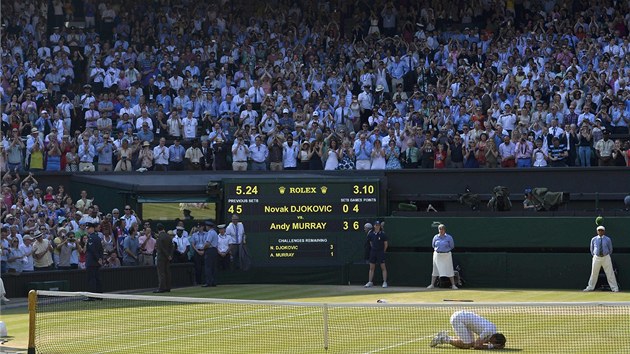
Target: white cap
285,111
601,228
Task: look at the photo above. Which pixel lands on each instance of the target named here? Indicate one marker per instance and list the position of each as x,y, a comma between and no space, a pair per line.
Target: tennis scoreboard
303,221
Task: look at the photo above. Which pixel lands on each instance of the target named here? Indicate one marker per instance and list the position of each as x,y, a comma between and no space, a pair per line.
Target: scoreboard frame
303,221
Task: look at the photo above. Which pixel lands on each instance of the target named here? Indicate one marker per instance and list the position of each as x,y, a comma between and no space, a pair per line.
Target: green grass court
159,327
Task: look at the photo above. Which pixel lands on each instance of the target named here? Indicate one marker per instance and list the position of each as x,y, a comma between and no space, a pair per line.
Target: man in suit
93,261
164,248
207,156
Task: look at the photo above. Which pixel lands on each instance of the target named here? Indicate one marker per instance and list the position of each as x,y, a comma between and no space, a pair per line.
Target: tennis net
62,323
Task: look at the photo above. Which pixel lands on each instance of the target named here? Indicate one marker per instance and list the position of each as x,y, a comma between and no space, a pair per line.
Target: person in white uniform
471,331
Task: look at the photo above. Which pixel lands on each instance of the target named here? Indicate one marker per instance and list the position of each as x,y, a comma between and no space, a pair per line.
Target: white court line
208,332
397,345
178,324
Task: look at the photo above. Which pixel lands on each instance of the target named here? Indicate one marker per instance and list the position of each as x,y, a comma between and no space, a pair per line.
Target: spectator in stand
523,74
176,155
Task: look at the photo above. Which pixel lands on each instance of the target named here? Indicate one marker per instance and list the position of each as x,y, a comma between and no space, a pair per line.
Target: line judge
442,244
601,249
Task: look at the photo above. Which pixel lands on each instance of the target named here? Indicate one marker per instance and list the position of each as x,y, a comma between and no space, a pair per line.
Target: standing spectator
14,151
259,154
585,144
189,124
345,156
603,150
176,154
223,248
174,124
91,116
42,252
105,152
523,150
182,245
93,260
86,156
145,156
378,247
206,159
411,156
147,246
442,245
221,151
27,249
290,152
539,155
601,249
161,156
211,242
363,152
275,154
427,154
330,153
130,248
125,153
194,156
506,151
236,231
240,152
164,247
557,154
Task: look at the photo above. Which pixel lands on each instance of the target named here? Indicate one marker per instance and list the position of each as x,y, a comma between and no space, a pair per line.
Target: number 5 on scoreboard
235,209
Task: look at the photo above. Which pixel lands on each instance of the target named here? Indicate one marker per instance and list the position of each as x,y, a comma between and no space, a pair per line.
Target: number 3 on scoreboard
235,209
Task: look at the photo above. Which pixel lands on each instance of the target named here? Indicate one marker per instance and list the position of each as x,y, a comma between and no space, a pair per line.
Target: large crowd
275,85
177,85
45,229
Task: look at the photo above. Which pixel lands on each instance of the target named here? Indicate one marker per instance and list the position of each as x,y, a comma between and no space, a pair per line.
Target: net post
325,317
32,308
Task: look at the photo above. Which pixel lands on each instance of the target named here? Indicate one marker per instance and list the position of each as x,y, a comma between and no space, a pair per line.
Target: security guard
197,244
93,260
210,255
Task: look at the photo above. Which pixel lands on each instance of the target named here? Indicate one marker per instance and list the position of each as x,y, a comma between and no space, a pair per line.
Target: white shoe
368,284
439,338
431,286
384,284
5,299
587,289
614,291
454,287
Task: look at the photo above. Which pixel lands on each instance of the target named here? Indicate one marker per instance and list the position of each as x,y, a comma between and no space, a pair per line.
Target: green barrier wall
506,232
543,252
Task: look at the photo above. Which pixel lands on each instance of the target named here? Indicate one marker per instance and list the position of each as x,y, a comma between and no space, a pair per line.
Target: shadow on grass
8,349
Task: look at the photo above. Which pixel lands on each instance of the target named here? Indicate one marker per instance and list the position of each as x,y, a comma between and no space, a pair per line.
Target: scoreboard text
302,221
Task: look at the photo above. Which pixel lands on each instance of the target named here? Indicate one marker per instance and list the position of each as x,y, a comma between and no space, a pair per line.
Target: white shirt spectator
290,154
190,127
160,155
